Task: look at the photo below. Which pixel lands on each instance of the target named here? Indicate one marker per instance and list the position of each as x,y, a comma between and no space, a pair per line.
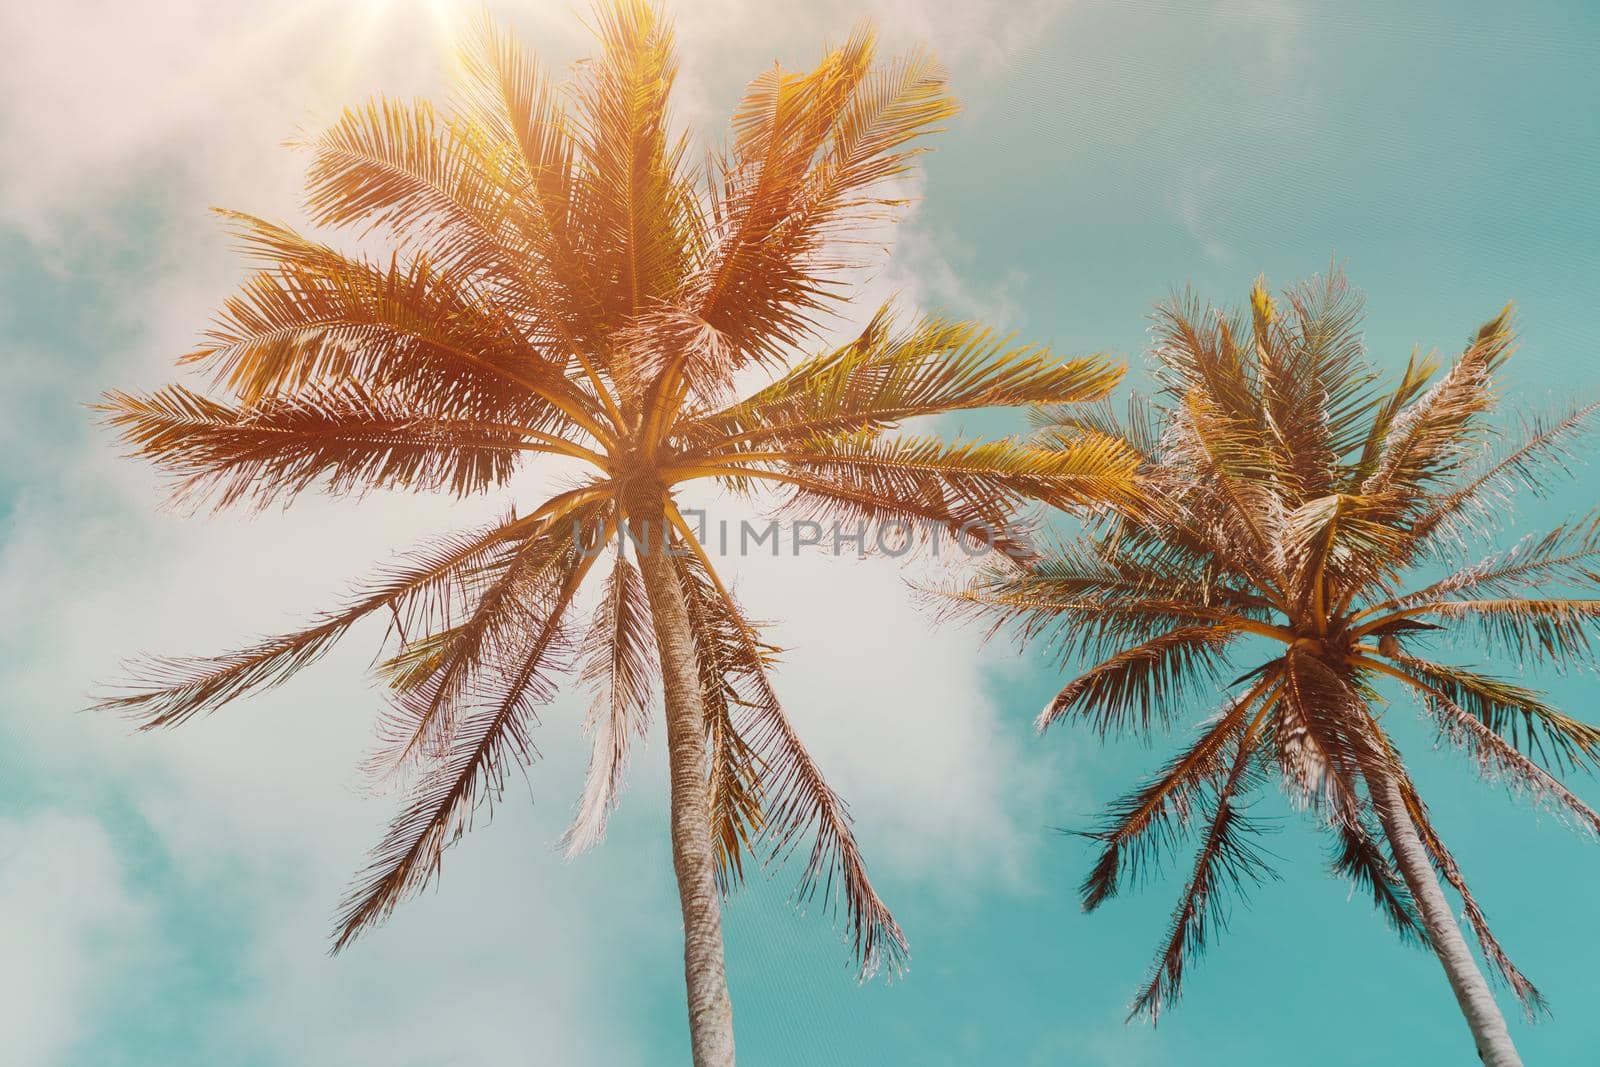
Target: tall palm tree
564,284
1296,500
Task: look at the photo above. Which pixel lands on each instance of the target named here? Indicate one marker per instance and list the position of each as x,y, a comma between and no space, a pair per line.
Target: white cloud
66,921
188,99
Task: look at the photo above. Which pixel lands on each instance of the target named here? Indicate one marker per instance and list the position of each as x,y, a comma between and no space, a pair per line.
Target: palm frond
1323,739
1567,556
631,193
430,183
969,487
732,680
1513,712
1338,542
1228,456
1530,630
492,738
1359,855
796,801
1061,422
809,155
1144,685
504,91
1144,824
1314,381
1197,354
433,678
620,666
1526,992
167,691
1472,506
342,438
319,317
886,375
1415,378
1433,436
1227,861
1080,603
1497,758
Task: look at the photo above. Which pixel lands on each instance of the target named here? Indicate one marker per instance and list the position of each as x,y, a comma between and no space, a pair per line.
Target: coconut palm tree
1297,499
563,285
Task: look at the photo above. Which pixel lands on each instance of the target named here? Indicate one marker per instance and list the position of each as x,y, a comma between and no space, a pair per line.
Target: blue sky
164,899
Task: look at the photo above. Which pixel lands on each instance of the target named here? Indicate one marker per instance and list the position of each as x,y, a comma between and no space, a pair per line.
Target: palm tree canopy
564,282
1296,498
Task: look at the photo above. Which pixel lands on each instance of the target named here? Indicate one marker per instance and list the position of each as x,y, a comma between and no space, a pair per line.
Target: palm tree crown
564,283
1296,498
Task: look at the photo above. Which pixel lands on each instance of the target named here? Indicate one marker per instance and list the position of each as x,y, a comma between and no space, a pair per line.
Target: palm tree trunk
1444,933
710,1010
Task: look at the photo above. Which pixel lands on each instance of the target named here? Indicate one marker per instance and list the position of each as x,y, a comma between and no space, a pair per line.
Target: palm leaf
1470,507
1497,758
1532,1000
1142,825
1359,855
166,691
621,663
634,201
430,183
1433,436
796,802
1145,684
1227,860
342,438
1513,712
492,737
886,375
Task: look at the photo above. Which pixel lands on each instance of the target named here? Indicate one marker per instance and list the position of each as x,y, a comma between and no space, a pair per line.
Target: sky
166,898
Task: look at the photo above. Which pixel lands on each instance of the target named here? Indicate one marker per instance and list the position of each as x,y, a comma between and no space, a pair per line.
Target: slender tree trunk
693,859
1472,992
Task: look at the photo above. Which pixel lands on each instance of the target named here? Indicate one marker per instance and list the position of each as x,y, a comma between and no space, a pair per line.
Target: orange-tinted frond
1432,437
886,375
168,692
1361,856
774,793
633,199
1144,685
431,184
621,665
1478,504
804,177
1142,825
1513,712
1228,859
435,675
493,737
319,318
343,438
973,489
1496,757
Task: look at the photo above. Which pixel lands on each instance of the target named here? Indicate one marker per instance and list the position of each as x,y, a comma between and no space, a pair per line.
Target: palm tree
1295,499
564,284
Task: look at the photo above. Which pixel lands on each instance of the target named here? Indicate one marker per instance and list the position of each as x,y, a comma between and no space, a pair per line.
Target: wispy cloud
67,920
